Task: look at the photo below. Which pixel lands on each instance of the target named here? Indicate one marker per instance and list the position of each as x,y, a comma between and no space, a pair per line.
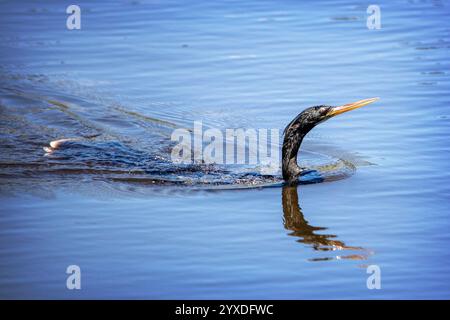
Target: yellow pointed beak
350,106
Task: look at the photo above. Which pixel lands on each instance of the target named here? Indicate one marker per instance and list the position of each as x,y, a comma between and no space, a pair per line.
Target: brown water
140,226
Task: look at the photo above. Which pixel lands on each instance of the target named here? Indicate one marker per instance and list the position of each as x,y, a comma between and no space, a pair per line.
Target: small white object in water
55,144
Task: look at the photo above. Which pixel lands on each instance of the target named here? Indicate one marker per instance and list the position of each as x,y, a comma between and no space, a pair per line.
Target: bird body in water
297,129
294,134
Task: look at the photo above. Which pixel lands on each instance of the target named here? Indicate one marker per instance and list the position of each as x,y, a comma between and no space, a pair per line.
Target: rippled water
141,227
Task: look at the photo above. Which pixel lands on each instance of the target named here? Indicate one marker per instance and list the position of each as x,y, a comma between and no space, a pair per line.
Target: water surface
139,69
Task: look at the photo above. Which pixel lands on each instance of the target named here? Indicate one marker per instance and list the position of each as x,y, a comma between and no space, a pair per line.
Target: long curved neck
293,137
291,145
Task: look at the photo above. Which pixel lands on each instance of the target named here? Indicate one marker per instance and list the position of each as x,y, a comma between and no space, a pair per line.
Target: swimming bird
157,170
297,129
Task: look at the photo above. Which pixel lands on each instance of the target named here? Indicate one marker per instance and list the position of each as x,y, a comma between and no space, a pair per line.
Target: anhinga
300,126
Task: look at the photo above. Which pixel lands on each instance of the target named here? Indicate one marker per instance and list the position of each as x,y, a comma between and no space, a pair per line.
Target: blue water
136,70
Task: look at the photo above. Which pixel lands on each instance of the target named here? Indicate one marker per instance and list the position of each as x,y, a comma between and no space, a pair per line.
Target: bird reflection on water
294,220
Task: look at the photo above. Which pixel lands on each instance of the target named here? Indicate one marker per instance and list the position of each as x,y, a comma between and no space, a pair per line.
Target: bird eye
323,110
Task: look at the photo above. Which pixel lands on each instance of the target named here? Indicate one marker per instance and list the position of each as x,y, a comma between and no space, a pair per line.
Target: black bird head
297,129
